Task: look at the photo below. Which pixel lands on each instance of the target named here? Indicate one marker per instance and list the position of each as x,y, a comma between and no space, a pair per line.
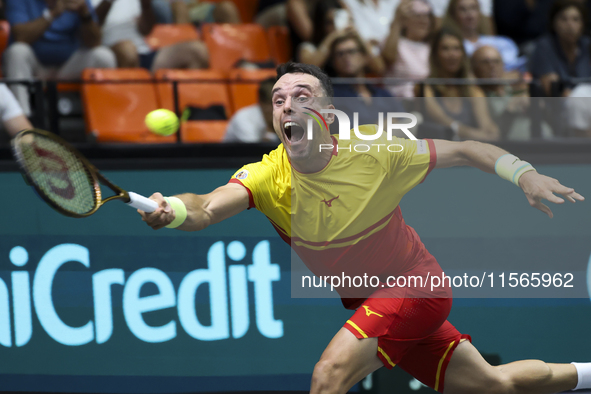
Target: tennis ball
162,122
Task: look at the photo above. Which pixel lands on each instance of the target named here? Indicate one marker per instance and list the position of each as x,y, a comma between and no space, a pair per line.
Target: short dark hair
266,90
301,68
560,5
348,37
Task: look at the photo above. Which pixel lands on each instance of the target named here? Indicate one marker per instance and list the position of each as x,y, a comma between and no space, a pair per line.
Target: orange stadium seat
246,8
279,43
228,44
244,85
115,111
203,131
211,89
164,35
4,36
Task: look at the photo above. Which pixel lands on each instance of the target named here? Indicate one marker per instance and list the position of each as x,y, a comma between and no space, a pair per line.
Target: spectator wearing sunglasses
349,59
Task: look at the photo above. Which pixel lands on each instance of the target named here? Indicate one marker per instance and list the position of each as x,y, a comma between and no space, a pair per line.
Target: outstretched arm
485,156
202,210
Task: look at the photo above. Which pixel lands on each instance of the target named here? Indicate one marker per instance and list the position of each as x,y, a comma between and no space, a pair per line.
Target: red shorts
412,333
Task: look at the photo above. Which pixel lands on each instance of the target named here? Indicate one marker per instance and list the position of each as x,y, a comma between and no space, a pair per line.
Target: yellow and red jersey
346,217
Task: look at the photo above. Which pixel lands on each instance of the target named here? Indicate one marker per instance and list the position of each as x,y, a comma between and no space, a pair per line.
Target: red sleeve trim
250,198
432,157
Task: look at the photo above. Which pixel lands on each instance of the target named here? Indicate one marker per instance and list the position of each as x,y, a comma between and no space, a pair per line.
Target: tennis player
338,209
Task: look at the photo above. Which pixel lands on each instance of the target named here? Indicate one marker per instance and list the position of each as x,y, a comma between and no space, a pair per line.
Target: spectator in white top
255,122
125,23
578,109
465,17
372,19
486,9
406,52
11,114
330,22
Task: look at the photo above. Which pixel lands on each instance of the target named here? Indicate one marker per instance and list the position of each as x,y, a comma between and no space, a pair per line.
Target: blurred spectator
52,38
300,20
522,20
406,52
255,122
440,8
349,59
11,113
331,22
126,22
271,13
372,19
462,108
578,110
525,20
508,104
316,49
466,18
195,11
563,53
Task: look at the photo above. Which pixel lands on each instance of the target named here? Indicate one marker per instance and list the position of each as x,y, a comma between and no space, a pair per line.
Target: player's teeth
289,124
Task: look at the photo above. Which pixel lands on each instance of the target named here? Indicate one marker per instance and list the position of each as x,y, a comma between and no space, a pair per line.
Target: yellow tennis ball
162,122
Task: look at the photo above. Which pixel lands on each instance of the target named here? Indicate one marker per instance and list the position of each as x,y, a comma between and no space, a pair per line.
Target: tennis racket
64,178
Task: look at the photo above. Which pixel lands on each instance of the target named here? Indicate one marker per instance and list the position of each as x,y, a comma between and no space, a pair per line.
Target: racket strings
59,174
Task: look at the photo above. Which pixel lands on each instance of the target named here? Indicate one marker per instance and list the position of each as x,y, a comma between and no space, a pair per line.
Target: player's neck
318,158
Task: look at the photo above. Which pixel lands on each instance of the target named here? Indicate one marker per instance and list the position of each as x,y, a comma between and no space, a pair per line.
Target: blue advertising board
106,304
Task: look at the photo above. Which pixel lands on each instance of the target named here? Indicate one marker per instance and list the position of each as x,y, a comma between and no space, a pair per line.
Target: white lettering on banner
215,276
103,310
134,305
238,291
21,301
42,284
5,339
261,273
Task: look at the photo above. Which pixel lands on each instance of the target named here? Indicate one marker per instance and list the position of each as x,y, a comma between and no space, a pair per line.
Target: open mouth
293,131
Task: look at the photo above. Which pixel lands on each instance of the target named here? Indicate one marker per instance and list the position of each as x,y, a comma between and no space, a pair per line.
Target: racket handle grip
141,202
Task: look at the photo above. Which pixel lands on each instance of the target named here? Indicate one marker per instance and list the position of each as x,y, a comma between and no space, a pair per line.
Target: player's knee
502,384
538,376
494,381
328,376
502,381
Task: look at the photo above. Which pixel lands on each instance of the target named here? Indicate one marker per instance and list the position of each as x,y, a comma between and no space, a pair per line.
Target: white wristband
511,168
180,211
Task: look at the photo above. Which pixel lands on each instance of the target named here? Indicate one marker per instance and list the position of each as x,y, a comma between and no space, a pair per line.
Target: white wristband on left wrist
511,168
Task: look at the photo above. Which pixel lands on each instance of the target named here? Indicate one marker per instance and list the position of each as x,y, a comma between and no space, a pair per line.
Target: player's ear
329,117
